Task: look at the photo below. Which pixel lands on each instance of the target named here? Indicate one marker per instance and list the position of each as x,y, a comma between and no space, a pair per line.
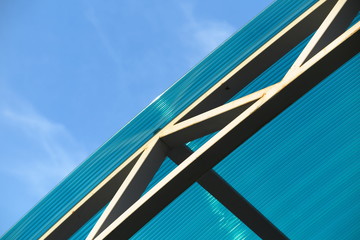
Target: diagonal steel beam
254,65
262,59
210,121
234,134
231,199
336,22
133,186
90,205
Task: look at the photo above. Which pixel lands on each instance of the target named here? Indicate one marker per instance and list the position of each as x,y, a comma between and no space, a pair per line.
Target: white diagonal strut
211,151
237,120
133,186
334,24
235,133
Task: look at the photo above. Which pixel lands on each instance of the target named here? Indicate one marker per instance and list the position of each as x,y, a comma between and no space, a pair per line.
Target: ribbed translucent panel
302,169
195,214
274,73
322,146
269,77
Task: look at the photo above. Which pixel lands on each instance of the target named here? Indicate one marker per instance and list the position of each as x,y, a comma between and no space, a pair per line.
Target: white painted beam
133,186
210,121
234,134
253,66
260,60
334,24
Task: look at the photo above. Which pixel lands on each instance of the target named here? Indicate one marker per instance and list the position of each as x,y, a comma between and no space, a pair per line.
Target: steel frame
330,47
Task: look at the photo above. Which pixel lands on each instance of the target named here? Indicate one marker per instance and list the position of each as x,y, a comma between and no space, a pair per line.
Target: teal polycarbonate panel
302,169
269,77
164,169
124,143
184,219
274,73
195,214
290,170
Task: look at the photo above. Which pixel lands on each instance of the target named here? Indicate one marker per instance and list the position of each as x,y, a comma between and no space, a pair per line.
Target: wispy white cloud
209,37
104,39
54,152
203,35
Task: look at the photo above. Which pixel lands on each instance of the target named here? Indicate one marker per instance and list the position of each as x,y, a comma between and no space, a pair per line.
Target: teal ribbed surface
302,169
299,170
195,214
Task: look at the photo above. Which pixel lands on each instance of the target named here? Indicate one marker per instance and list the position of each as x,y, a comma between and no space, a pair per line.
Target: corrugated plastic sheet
269,77
178,97
302,169
195,214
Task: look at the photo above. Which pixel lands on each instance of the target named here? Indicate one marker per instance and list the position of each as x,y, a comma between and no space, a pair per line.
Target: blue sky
73,72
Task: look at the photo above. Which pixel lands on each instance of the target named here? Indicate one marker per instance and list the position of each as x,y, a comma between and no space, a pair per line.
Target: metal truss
128,210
